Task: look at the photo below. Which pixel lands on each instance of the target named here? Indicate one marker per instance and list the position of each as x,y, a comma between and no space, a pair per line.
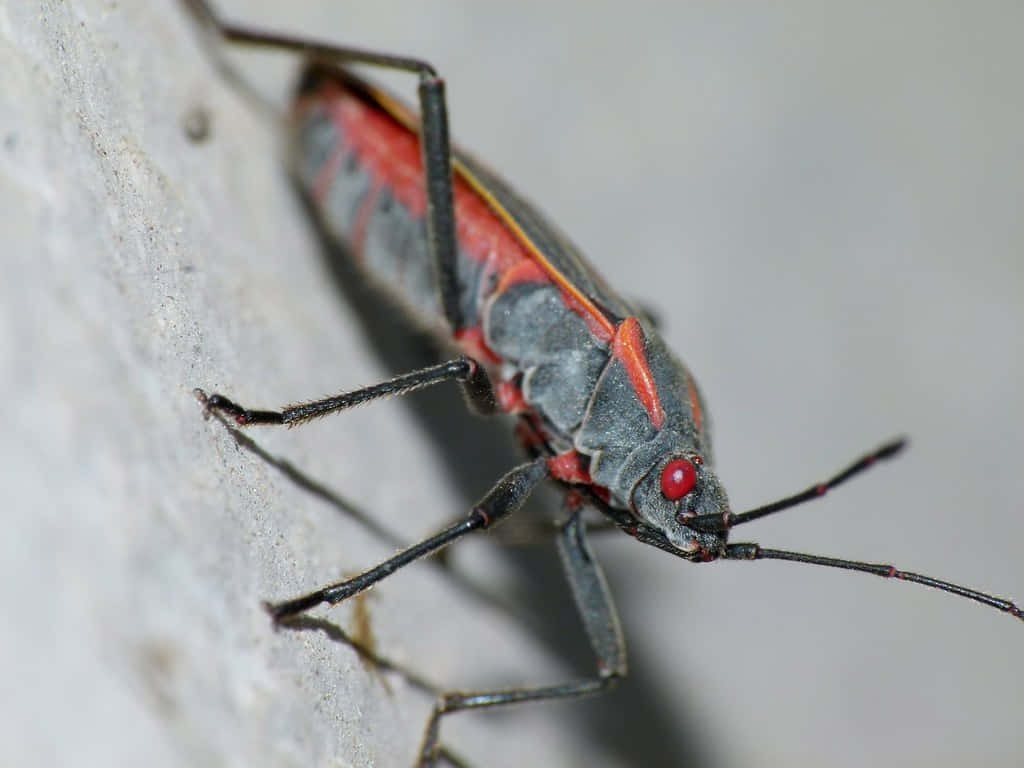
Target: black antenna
721,523
752,551
756,552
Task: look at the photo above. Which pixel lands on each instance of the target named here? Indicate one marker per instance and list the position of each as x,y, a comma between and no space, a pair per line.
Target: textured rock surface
824,206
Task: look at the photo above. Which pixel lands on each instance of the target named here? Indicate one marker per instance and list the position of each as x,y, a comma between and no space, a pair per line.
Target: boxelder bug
602,406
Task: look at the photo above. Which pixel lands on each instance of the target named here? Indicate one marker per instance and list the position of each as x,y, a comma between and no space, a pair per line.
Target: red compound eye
678,479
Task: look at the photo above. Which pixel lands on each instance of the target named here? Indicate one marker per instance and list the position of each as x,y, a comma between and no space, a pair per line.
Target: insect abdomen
364,172
544,338
362,168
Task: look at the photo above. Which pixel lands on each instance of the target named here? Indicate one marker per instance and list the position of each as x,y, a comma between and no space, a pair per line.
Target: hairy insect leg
471,376
507,496
435,145
595,606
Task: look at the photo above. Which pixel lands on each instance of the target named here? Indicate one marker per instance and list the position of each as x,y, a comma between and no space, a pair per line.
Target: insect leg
434,142
600,620
593,600
475,385
507,495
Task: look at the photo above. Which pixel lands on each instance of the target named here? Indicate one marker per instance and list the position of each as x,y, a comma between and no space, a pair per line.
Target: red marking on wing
573,297
529,271
473,344
524,272
482,235
380,132
698,415
390,153
598,325
568,467
628,347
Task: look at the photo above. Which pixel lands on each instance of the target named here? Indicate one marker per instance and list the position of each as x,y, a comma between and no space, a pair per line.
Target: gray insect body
519,288
604,407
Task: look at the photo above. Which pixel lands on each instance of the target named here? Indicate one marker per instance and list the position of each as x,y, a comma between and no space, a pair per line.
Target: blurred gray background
820,199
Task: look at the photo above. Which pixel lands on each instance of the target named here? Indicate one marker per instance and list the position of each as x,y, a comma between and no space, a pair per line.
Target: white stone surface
822,200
